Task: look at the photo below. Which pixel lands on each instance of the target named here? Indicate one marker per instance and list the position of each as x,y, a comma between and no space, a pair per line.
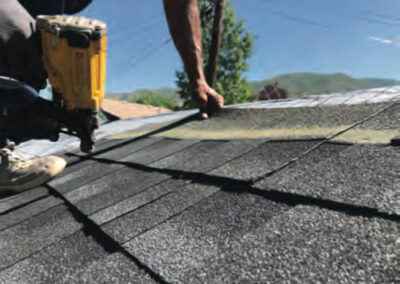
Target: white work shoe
18,174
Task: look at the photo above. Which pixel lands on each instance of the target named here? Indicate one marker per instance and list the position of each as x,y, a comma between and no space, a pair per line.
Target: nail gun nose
89,123
87,147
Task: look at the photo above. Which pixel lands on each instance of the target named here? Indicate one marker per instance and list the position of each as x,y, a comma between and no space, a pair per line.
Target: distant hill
142,92
313,83
164,97
297,84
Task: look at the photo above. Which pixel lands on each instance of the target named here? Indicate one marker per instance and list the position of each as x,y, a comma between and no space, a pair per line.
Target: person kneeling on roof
20,59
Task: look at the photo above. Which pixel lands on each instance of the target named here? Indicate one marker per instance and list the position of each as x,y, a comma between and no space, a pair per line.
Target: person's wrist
200,85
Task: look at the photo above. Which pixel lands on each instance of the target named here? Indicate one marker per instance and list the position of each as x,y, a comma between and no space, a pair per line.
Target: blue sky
358,37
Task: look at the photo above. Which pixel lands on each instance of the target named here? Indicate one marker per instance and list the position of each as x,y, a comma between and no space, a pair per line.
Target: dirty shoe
18,174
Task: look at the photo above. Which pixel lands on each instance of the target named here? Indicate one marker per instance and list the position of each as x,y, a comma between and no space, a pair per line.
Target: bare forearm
184,23
185,27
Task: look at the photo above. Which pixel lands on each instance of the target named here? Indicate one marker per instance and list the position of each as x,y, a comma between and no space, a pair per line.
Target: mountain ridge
308,83
297,84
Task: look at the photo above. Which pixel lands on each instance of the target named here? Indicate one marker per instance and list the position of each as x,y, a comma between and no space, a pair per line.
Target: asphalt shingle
63,262
24,198
186,243
360,176
115,268
85,181
304,244
80,173
321,116
177,198
149,151
270,156
185,211
32,235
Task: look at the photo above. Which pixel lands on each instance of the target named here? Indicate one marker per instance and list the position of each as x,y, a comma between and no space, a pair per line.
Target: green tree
236,48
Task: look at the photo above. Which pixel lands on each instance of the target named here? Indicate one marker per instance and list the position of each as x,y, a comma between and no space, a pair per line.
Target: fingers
215,103
208,100
202,101
204,116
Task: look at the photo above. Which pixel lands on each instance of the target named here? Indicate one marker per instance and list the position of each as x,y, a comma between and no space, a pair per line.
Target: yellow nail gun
74,53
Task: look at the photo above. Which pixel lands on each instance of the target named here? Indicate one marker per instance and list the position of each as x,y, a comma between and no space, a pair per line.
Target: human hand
208,99
20,53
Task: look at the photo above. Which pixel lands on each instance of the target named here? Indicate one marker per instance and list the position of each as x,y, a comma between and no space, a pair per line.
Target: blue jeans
20,114
16,96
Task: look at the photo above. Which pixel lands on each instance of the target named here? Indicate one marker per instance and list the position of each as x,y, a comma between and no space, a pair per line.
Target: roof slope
152,208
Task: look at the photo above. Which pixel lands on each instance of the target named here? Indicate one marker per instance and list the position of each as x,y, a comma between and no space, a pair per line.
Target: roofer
20,58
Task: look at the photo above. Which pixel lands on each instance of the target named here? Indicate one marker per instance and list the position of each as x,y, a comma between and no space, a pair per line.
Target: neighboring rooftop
257,194
126,110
